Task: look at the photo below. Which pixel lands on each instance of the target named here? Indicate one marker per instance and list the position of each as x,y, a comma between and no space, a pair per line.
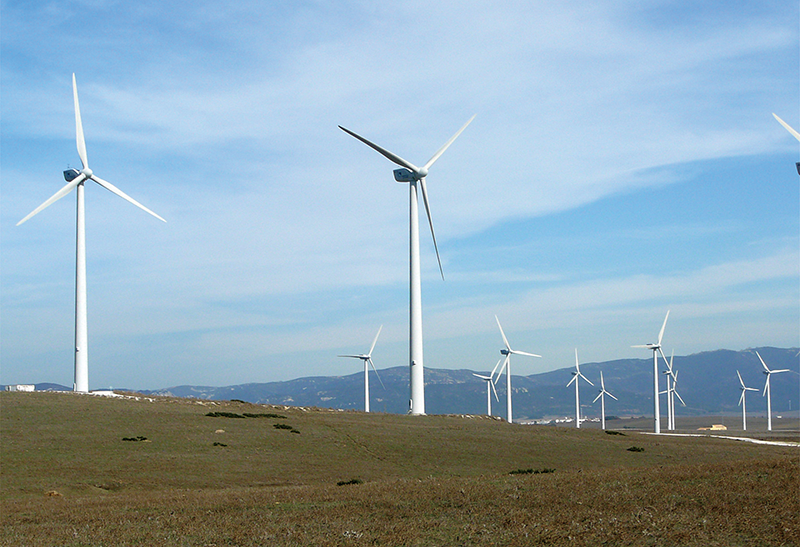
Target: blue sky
623,161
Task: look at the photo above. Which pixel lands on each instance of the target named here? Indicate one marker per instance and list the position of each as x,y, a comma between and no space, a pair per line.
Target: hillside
707,382
83,470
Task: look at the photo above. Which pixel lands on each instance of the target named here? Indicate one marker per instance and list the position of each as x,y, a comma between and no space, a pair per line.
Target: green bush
611,432
351,481
135,439
264,415
531,471
635,449
220,444
224,415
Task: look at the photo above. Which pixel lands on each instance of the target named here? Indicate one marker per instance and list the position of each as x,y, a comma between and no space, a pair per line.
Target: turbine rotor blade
788,127
376,373
430,223
741,398
372,347
500,372
598,396
740,378
113,189
79,126
574,378
661,334
607,393
494,391
495,368
505,340
585,378
55,197
447,144
678,395
516,352
388,155
762,362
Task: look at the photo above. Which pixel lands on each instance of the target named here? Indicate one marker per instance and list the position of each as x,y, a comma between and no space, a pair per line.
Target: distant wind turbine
671,392
76,179
507,352
490,388
767,392
575,378
656,350
414,175
602,398
794,133
743,401
367,358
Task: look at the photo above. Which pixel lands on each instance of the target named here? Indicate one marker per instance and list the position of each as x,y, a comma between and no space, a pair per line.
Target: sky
623,162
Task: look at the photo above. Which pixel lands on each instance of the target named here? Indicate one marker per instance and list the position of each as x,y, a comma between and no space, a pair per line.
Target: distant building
21,387
714,427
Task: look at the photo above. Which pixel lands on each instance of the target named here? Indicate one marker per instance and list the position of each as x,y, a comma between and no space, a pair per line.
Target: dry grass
431,480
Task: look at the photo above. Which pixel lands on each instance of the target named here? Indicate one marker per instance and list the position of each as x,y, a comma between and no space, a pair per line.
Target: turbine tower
367,358
575,378
489,388
743,401
671,392
656,350
414,175
767,392
507,352
76,179
602,398
794,133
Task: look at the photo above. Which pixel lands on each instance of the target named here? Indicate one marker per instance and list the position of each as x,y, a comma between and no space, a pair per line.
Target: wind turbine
742,400
767,392
575,378
367,358
794,133
76,179
671,392
674,393
414,175
656,350
507,352
490,388
602,398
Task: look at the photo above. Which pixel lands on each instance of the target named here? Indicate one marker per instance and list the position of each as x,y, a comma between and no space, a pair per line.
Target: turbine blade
113,189
598,396
602,383
741,398
482,377
372,347
762,362
678,395
55,197
788,127
495,368
389,155
780,370
740,378
447,144
577,367
515,352
430,223
376,373
661,334
766,386
505,340
585,378
574,377
79,126
607,393
500,372
640,346
494,391
353,356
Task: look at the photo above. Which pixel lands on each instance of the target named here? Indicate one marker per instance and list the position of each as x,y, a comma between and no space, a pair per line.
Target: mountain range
707,382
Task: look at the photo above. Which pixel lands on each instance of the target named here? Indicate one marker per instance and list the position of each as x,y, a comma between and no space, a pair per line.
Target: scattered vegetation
531,471
351,481
224,415
285,426
264,415
135,439
612,432
635,449
219,444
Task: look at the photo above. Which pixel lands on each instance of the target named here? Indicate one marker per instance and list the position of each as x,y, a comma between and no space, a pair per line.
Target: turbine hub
421,173
88,172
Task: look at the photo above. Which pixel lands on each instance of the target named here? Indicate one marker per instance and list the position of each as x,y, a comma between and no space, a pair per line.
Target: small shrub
294,431
635,449
351,481
238,401
264,415
220,444
282,426
531,471
224,415
611,432
135,439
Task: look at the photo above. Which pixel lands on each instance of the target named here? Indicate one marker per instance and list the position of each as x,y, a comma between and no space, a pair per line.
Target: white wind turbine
575,378
414,175
367,358
656,350
489,387
602,398
794,133
743,401
671,392
76,179
767,392
507,352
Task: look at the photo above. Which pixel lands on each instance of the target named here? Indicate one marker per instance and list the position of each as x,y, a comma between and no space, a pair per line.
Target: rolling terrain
88,470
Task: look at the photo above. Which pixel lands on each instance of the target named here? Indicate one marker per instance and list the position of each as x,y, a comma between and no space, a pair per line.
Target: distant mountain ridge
707,382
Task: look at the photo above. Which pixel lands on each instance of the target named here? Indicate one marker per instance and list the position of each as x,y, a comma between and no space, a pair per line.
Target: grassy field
325,477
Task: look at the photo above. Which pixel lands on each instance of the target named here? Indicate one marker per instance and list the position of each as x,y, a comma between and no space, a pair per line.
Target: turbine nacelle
71,174
404,175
